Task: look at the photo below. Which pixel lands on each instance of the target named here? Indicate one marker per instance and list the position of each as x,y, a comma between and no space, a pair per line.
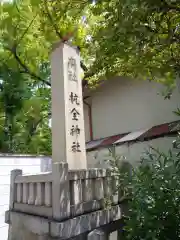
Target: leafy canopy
137,38
28,30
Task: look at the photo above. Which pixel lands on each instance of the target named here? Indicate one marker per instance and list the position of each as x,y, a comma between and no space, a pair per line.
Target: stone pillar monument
68,137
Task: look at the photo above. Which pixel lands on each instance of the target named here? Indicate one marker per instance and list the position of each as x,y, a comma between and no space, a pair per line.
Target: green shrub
155,206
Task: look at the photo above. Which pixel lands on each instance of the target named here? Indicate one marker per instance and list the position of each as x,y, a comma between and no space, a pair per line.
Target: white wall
86,123
29,165
122,105
132,152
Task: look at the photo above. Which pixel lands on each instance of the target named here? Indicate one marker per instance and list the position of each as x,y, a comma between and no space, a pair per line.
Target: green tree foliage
136,38
28,29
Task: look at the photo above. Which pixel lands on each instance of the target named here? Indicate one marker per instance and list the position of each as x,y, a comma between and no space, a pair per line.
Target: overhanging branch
52,21
26,30
25,68
83,66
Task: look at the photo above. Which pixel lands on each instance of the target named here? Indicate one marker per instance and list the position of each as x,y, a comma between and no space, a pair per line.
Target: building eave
158,131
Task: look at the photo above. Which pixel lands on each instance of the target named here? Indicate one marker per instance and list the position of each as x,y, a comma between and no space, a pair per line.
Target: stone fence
63,203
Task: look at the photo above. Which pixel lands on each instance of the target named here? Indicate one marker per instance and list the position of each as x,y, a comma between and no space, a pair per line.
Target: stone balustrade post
60,191
13,191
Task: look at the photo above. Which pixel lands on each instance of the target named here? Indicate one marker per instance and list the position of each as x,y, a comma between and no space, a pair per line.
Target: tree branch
35,126
171,6
26,30
52,21
83,66
25,68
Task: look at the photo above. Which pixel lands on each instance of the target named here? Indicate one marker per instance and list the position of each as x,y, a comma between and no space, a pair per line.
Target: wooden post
14,174
98,234
60,191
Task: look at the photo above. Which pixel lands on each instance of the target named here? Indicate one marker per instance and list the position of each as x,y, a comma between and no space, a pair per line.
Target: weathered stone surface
60,191
88,190
25,192
40,194
36,225
32,226
33,209
32,197
99,188
7,217
48,194
84,223
73,201
19,192
68,137
13,189
43,177
86,207
25,227
76,192
89,173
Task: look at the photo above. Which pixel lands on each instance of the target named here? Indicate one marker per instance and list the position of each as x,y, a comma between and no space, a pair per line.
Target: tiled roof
140,135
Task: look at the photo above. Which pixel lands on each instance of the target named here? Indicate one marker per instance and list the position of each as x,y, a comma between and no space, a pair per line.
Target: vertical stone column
68,137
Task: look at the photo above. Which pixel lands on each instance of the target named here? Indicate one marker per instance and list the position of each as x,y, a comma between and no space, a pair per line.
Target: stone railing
65,194
32,193
69,198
